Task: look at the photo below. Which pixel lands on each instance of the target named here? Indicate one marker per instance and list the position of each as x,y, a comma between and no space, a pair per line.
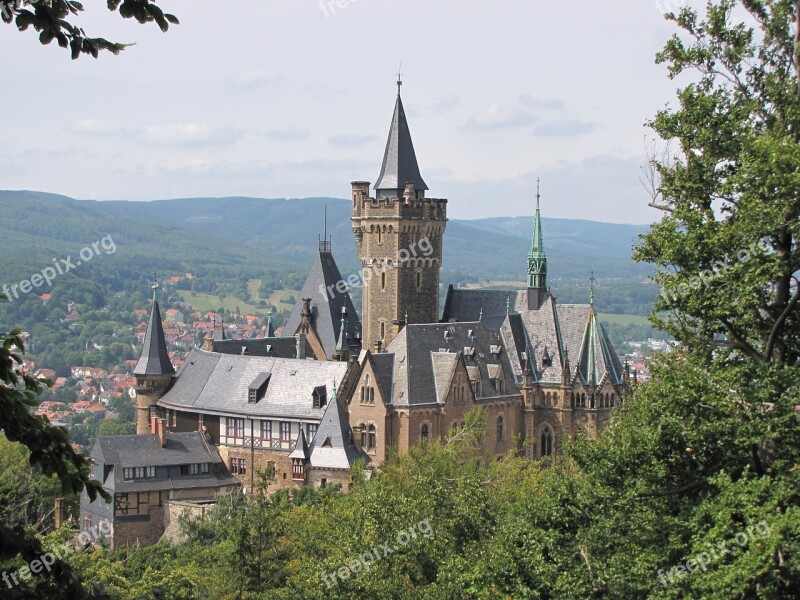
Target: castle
336,390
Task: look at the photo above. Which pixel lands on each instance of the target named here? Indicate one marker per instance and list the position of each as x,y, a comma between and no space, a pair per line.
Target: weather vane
399,77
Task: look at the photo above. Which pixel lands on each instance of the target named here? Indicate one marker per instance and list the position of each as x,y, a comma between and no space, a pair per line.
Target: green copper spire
537,259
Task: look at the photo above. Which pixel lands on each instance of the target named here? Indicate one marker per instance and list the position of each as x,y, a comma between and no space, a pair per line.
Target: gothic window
380,235
546,448
423,434
372,442
499,429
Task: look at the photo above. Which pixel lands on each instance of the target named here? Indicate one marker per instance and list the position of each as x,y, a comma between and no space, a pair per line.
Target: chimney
357,431
162,432
301,345
378,344
153,424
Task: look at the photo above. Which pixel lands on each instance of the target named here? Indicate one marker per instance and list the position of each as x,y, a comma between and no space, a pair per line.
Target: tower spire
591,289
537,258
400,166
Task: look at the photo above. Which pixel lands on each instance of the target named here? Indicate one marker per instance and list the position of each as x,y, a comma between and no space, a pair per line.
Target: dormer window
258,389
320,396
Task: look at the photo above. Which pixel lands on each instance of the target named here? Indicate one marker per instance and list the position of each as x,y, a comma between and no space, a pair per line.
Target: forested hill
247,237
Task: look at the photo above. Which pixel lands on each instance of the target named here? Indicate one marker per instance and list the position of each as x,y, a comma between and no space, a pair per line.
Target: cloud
352,140
437,108
188,134
566,128
497,117
93,127
286,134
546,104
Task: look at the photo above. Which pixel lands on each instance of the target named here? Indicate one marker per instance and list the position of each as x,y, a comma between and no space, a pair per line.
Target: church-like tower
537,262
154,371
398,240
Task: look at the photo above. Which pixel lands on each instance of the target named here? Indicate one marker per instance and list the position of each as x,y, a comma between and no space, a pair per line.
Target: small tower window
383,329
423,434
380,235
419,281
499,429
383,281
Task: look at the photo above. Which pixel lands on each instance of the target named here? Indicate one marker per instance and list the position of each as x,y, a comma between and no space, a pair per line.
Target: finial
508,304
537,193
480,316
154,286
399,78
591,292
406,317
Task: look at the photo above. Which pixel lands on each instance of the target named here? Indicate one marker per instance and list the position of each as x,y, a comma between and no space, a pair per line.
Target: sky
294,98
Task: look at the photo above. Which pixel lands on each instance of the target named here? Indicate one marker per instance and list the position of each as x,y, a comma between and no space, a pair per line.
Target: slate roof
420,370
281,347
332,446
215,383
155,358
399,159
555,331
130,451
326,306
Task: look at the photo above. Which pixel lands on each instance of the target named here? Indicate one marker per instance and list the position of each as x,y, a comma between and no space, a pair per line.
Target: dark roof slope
282,347
326,304
155,358
333,447
399,159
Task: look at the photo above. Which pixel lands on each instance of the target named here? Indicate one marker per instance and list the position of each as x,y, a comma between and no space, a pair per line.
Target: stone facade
399,244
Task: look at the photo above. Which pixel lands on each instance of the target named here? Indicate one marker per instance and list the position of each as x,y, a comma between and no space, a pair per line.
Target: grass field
623,319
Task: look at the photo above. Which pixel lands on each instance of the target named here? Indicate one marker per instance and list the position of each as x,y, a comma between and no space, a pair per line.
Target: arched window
423,434
364,436
383,281
373,437
546,448
383,330
500,429
380,235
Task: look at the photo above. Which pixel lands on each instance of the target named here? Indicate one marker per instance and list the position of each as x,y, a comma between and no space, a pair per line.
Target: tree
51,452
49,19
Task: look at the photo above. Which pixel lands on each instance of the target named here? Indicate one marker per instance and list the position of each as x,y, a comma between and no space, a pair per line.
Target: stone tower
154,371
398,240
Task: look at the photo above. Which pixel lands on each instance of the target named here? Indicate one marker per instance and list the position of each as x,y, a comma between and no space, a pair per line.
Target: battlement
411,205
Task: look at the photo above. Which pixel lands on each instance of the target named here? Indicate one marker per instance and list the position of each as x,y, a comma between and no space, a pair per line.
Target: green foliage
49,19
50,453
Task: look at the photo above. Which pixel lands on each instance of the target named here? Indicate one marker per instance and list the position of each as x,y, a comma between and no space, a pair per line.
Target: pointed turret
154,371
270,328
333,446
155,358
537,258
400,166
342,345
